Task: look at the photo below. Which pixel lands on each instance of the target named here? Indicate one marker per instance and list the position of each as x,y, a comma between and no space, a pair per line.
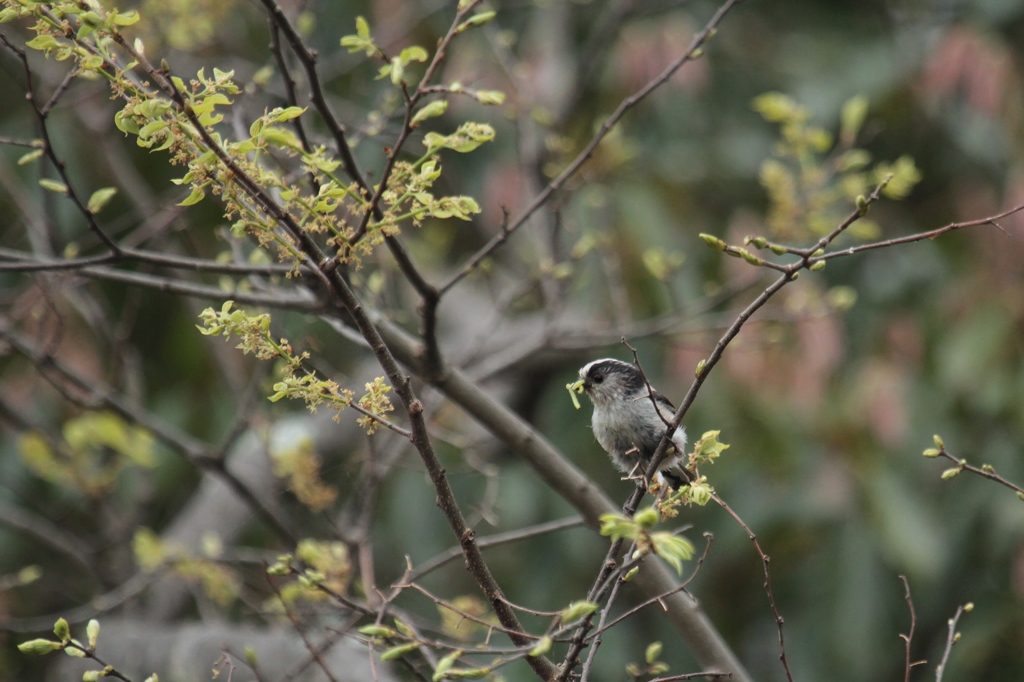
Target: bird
625,421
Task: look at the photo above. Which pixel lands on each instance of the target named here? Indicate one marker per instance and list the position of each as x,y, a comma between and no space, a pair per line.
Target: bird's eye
598,378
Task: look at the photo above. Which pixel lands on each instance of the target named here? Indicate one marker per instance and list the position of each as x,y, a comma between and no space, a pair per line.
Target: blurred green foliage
826,406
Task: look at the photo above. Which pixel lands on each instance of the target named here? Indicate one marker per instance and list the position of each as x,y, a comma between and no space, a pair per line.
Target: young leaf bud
39,647
712,242
61,629
820,265
938,441
542,647
577,610
700,368
968,607
931,452
862,205
92,631
630,574
950,473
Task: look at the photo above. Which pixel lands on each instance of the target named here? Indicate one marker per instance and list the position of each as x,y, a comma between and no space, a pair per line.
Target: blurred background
827,397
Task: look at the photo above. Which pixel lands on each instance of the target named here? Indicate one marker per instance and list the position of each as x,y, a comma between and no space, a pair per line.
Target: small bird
625,422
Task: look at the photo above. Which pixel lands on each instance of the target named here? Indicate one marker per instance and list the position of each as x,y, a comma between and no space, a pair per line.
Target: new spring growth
575,388
712,242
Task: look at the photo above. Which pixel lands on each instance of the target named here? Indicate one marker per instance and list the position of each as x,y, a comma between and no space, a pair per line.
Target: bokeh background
827,407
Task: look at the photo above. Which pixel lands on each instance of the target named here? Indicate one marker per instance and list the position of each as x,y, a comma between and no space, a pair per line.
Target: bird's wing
668,411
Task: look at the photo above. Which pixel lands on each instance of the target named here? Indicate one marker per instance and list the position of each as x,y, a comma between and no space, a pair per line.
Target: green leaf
673,549
74,652
413,53
100,198
126,18
53,186
432,110
647,517
652,652
281,138
362,28
577,610
617,527
287,114
31,156
194,198
43,42
465,139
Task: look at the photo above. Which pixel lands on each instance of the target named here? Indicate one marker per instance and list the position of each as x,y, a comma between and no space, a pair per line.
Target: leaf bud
577,610
712,241
969,606
278,568
630,574
818,252
950,473
862,205
815,267
938,441
700,368
988,468
92,631
777,249
61,629
750,258
39,647
542,647
931,452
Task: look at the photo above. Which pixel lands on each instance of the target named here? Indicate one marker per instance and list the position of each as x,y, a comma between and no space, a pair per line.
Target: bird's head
607,380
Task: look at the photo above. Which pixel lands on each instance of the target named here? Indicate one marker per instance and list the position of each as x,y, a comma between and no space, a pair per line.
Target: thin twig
606,127
495,540
908,638
984,471
951,638
765,561
44,133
